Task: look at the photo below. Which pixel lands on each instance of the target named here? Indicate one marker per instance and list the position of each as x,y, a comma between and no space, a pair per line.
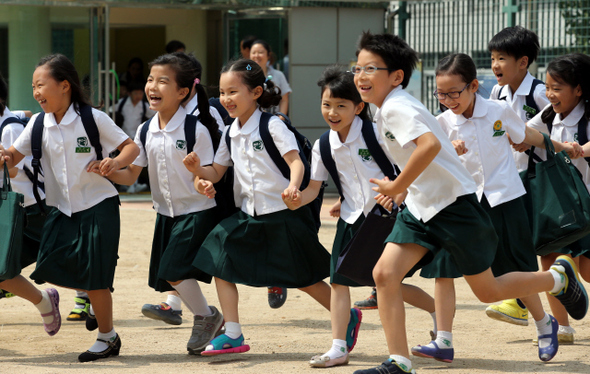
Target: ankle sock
192,296
233,330
101,346
559,281
403,362
544,328
444,339
174,302
433,315
45,306
338,349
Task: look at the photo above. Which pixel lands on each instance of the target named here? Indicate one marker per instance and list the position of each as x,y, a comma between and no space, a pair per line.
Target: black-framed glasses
451,95
369,69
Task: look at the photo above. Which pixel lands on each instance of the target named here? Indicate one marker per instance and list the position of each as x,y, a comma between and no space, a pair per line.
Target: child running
265,243
443,212
74,252
185,217
46,301
347,115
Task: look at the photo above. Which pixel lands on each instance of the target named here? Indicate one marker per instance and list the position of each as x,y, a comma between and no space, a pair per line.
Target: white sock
91,310
433,315
101,346
192,296
338,349
175,302
403,362
233,330
559,280
444,339
45,307
81,294
544,328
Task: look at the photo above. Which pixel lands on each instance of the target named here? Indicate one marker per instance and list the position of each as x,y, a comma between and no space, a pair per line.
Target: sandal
53,327
224,344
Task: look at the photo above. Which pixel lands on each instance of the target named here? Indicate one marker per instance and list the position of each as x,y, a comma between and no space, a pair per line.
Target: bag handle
6,187
531,170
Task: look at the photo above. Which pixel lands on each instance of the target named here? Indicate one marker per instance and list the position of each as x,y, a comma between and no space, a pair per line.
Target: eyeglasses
451,95
369,69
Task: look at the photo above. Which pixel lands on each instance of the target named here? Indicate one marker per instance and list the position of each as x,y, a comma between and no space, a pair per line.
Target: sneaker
439,354
162,312
509,311
388,367
573,295
354,325
204,329
53,327
369,303
277,297
5,294
565,336
81,309
224,344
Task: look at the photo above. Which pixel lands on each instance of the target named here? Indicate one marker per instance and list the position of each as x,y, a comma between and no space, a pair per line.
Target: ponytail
205,115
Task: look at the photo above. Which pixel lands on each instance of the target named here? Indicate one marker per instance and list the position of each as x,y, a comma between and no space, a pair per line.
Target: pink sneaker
53,327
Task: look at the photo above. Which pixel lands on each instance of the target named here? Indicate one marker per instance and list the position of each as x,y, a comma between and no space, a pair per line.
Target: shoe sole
240,349
419,354
330,363
499,316
366,307
76,317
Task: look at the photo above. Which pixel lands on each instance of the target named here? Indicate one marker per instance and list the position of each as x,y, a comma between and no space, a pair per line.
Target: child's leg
417,297
557,309
102,304
508,286
320,292
228,300
584,266
21,287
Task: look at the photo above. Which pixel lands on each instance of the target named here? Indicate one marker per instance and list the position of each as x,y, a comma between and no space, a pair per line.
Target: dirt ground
281,340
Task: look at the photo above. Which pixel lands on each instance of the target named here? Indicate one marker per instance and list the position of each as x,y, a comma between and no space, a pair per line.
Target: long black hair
253,76
62,69
3,95
341,85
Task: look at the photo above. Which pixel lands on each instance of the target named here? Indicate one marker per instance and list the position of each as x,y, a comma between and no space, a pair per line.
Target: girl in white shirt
74,251
185,217
265,243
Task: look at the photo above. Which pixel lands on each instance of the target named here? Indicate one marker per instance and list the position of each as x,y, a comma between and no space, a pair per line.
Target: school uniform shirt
355,167
258,182
517,101
489,156
66,154
566,130
193,108
172,185
133,115
21,182
278,78
400,120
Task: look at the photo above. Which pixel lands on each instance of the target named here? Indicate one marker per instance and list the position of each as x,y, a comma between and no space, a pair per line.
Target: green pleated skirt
278,249
80,251
344,234
174,248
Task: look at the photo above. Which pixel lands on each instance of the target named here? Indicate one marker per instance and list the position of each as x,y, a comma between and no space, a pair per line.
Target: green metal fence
437,28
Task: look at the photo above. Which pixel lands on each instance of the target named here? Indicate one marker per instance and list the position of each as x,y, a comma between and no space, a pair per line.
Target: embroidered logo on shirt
258,145
498,128
82,143
576,138
365,155
389,136
530,112
180,145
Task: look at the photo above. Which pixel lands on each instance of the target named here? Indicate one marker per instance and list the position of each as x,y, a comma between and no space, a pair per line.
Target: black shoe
112,350
277,297
91,322
162,312
573,296
388,367
5,294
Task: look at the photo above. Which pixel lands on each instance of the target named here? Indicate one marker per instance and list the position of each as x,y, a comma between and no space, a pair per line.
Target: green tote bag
12,221
557,201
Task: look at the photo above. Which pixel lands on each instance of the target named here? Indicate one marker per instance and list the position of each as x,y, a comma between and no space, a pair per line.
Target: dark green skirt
80,251
577,248
175,245
278,249
344,234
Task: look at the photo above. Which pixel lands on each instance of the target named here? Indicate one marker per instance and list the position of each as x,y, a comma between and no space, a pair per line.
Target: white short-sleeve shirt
278,78
489,157
21,182
566,130
258,182
192,107
400,120
355,167
133,115
517,102
172,185
66,154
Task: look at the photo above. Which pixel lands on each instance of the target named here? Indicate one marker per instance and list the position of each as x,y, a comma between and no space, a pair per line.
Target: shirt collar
68,118
480,109
525,86
573,118
192,104
353,134
251,124
174,123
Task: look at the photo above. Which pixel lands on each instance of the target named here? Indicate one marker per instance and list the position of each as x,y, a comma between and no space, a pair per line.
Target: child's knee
486,295
386,275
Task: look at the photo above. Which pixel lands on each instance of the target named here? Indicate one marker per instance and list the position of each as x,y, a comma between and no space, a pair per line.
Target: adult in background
260,53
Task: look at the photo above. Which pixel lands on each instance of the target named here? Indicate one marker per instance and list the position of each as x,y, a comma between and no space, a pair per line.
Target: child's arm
459,147
11,156
427,147
125,177
128,153
534,137
205,187
299,199
335,209
212,173
296,166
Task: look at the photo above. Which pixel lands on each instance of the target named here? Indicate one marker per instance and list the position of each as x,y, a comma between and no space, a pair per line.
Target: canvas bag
12,222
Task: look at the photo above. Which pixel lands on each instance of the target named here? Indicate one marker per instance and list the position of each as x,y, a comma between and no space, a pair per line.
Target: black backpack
224,197
531,108
390,170
305,150
37,144
27,171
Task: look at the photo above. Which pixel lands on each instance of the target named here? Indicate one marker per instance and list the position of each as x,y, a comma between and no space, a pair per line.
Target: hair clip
264,86
197,81
268,78
248,67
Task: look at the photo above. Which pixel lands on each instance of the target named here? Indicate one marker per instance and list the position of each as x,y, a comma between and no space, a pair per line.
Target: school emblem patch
498,128
530,112
389,136
576,138
181,145
258,146
365,155
82,145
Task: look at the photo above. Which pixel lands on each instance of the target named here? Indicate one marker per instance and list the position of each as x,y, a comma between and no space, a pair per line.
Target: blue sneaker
354,325
388,367
548,352
444,354
223,344
573,296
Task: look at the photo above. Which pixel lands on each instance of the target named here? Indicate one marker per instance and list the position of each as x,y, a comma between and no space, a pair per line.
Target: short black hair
341,85
394,51
248,41
174,45
516,42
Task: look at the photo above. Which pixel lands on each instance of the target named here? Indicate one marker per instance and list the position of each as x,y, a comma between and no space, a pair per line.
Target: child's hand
205,187
192,162
292,201
385,201
521,147
573,150
399,198
335,209
108,166
2,155
459,147
94,167
384,186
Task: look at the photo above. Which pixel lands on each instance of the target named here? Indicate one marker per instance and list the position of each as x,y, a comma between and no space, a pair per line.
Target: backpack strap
8,121
228,139
377,152
143,133
329,163
583,134
36,150
531,106
91,129
500,93
190,127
